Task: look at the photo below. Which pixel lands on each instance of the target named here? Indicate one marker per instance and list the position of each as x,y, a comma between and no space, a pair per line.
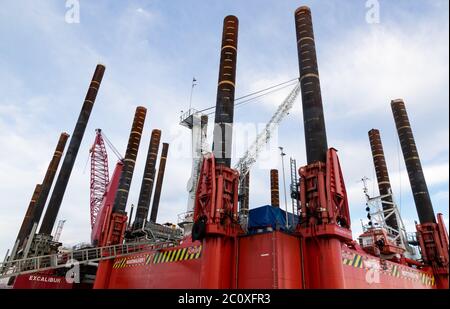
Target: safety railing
84,256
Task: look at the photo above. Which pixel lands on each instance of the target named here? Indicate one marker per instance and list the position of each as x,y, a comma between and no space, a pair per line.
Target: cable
85,165
261,95
240,104
268,88
253,93
373,183
399,174
108,142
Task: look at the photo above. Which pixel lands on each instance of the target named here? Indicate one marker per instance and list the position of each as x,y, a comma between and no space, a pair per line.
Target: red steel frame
99,175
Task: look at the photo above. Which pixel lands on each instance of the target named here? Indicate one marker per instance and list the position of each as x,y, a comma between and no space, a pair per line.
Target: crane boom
103,188
59,230
99,175
244,164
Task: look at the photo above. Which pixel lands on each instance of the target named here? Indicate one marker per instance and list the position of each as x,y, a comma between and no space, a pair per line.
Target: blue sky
152,49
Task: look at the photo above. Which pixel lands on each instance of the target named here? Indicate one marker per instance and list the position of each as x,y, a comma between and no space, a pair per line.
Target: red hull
169,268
363,271
41,281
264,261
46,280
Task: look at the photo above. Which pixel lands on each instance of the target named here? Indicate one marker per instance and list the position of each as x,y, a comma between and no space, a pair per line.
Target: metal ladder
83,256
294,186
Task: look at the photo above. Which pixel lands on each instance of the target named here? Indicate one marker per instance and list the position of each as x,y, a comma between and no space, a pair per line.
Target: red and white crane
99,175
101,184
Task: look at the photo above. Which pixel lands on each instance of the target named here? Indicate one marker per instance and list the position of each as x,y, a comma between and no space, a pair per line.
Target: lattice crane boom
250,156
99,175
59,230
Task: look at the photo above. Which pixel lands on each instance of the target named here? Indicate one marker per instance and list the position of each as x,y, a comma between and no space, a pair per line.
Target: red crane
103,189
99,175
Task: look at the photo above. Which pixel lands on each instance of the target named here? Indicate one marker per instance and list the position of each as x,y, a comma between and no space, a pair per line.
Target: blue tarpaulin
268,216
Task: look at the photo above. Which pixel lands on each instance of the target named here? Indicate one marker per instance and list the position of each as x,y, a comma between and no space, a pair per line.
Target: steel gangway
82,256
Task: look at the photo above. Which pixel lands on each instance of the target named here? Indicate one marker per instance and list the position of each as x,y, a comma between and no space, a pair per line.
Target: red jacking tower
216,202
432,235
325,220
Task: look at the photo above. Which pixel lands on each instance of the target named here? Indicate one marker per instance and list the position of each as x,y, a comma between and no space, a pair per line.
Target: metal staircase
83,256
294,187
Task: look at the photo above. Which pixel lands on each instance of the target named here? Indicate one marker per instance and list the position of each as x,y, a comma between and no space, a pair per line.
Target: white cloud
440,196
375,64
434,175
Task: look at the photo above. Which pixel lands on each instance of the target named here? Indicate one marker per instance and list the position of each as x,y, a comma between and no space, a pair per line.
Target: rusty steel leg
313,117
223,123
384,184
121,198
72,151
274,189
412,162
147,181
159,182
